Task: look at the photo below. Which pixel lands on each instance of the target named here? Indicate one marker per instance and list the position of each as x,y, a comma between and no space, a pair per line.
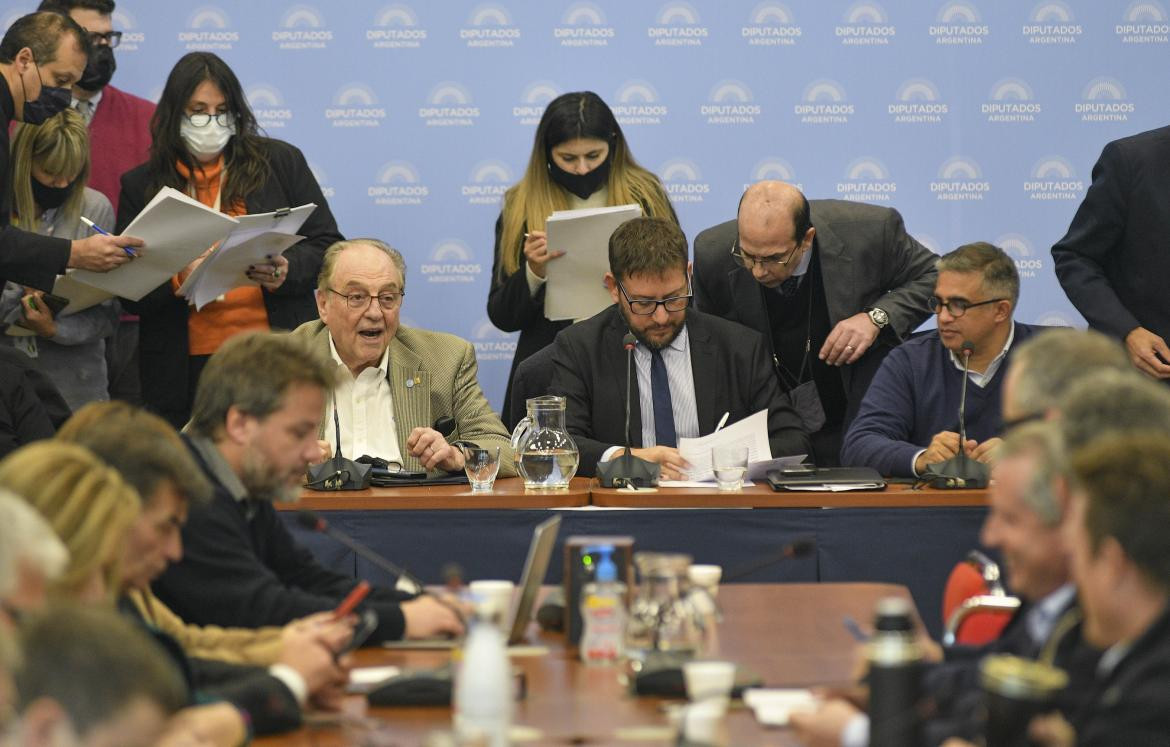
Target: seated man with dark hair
691,367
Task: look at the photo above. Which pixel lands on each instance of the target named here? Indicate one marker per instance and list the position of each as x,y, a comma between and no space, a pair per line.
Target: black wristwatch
878,316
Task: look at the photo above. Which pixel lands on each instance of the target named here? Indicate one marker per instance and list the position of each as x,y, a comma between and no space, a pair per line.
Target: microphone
798,548
339,473
445,425
959,471
627,470
407,581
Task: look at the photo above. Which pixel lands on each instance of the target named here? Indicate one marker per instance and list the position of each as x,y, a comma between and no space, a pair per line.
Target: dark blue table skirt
915,547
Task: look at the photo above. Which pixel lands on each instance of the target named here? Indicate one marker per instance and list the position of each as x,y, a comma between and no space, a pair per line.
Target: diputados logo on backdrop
1054,178
638,104
1011,101
958,23
355,105
918,102
533,102
322,178
1016,246
131,36
302,27
1144,22
488,182
583,25
865,24
490,25
774,169
771,24
451,261
1052,22
449,105
267,103
397,184
396,27
683,181
490,343
1054,319
208,30
1104,100
824,102
677,25
730,103
867,180
960,180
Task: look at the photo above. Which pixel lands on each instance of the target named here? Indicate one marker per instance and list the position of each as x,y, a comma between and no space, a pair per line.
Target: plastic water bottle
483,687
603,612
895,677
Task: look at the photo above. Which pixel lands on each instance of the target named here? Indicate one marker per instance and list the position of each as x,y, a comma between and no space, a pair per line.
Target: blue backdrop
978,120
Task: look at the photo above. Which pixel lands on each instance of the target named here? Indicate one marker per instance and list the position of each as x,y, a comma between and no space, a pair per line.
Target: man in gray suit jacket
832,286
397,381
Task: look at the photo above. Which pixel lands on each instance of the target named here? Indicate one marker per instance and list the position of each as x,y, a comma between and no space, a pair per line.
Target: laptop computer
544,539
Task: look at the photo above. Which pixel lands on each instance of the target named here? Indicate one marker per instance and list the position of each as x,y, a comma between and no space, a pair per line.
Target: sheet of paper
751,432
773,706
176,229
364,679
706,484
81,296
576,287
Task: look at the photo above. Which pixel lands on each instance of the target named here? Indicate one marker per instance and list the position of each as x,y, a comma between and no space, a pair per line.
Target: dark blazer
867,259
1113,261
162,336
532,378
730,369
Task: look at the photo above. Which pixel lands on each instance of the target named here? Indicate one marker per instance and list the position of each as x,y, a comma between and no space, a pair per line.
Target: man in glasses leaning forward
909,417
691,367
832,285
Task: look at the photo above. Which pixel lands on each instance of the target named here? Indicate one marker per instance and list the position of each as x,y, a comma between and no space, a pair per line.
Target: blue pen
98,229
855,630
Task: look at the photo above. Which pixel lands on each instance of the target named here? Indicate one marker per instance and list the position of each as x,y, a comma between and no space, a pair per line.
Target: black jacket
31,408
730,369
162,336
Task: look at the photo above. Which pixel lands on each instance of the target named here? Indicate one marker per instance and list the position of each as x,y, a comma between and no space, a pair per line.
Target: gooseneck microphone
798,548
407,581
960,471
966,350
627,470
628,342
338,473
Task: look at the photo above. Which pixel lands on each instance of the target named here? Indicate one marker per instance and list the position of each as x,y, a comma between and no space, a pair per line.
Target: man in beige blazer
394,382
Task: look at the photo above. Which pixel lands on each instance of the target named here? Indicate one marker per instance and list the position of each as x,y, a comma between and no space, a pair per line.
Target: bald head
769,211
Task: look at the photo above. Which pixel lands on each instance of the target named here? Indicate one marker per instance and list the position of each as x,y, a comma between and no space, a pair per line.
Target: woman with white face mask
206,144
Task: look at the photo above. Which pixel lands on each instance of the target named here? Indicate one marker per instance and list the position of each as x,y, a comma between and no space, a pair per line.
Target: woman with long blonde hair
580,159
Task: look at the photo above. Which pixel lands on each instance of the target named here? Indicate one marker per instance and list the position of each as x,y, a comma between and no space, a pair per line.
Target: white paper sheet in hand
751,432
81,296
575,280
176,229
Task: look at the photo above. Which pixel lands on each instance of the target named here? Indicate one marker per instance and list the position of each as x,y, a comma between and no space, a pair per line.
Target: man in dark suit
868,284
691,367
1113,262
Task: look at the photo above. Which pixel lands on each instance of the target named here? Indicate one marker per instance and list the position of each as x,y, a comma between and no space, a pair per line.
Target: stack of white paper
751,432
576,288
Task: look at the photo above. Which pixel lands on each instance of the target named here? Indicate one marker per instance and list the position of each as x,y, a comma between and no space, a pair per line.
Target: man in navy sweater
909,417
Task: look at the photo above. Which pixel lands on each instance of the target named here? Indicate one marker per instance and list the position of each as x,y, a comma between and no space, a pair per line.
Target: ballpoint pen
98,229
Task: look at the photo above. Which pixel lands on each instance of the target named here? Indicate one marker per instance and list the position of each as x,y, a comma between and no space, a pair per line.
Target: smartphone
55,303
352,600
367,624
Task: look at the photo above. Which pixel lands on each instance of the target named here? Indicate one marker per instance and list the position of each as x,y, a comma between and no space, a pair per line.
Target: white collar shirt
983,379
365,409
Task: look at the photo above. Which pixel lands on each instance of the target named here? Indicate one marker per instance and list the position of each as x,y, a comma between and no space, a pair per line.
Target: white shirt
365,408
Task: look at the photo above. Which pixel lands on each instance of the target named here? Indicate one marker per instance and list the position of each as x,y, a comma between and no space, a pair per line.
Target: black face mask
581,185
99,70
48,198
51,102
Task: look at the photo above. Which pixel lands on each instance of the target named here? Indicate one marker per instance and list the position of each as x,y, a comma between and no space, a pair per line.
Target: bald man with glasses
831,285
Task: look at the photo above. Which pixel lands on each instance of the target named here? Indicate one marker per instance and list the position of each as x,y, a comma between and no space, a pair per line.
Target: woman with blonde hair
579,159
88,505
50,167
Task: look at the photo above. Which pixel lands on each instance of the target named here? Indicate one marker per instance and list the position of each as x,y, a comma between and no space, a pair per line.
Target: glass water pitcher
546,456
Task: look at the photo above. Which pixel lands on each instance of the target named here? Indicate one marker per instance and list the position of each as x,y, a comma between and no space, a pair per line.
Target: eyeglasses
110,39
358,300
956,307
647,307
201,119
773,260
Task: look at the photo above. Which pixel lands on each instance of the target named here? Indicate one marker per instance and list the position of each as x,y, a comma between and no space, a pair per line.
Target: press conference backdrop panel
977,119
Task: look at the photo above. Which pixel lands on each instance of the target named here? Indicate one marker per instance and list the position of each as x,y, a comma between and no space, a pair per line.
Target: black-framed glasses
646,307
202,119
109,39
956,307
360,300
772,260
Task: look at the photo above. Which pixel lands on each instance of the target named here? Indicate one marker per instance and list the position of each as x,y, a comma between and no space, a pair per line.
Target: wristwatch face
879,317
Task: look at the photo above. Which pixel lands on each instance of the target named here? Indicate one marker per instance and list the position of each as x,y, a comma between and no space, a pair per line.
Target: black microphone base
626,471
958,472
340,474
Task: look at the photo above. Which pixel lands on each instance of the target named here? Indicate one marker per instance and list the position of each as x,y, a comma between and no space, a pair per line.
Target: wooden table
508,493
789,634
761,495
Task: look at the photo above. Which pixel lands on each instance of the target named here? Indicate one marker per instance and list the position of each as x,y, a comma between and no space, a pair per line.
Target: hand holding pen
102,252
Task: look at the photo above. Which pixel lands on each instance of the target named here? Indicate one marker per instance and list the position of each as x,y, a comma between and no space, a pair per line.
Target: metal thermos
895,677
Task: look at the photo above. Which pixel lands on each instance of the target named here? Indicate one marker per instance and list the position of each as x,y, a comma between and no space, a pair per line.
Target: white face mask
208,141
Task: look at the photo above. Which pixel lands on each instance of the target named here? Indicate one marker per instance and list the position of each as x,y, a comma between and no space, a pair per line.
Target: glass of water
729,463
481,466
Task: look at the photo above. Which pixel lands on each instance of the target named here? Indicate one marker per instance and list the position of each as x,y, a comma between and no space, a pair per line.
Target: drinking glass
730,464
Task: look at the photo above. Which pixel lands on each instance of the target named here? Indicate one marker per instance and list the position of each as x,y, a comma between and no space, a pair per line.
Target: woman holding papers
579,159
50,167
206,144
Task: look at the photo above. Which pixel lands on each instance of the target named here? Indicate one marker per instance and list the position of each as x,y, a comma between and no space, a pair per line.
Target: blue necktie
664,434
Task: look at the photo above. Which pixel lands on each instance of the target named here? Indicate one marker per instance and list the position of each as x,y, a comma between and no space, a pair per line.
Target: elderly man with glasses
692,367
909,417
832,285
